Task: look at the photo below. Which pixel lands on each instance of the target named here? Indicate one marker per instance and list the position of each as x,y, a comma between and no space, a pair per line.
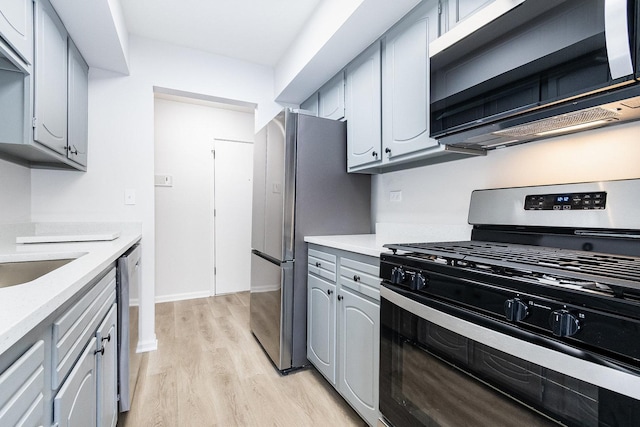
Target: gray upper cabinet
16,26
455,11
78,106
311,105
44,105
363,109
331,98
50,102
405,85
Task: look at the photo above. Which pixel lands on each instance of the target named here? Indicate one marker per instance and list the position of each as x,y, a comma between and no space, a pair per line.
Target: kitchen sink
16,273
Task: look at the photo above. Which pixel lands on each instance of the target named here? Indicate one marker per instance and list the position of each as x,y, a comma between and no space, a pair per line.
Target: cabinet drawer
322,264
74,328
360,277
21,387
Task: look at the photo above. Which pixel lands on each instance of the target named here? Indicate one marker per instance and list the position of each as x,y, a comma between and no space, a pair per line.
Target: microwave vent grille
559,122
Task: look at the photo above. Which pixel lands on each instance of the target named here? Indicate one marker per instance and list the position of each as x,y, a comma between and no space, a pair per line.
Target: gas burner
583,285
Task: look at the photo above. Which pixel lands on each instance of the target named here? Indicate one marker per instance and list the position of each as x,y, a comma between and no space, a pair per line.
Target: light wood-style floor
210,371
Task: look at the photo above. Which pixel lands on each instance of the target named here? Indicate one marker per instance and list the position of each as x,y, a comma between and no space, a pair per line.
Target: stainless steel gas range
535,321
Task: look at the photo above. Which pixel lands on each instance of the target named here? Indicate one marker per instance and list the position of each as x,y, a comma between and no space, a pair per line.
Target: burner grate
598,266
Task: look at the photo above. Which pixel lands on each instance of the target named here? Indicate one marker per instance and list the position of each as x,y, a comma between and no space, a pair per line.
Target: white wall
121,143
440,194
184,138
15,193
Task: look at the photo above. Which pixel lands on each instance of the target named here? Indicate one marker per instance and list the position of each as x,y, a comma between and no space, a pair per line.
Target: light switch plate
395,196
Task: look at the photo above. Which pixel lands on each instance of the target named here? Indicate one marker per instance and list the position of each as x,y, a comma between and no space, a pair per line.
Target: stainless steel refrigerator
300,188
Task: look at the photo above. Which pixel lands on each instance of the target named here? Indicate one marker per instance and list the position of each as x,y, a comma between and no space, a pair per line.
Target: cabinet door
16,26
107,370
331,98
50,88
75,403
359,350
363,109
311,105
21,389
321,334
455,11
405,86
78,107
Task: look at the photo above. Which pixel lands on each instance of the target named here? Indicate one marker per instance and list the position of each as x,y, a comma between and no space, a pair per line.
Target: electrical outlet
129,196
395,196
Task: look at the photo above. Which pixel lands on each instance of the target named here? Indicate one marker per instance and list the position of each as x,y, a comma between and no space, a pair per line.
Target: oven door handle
571,361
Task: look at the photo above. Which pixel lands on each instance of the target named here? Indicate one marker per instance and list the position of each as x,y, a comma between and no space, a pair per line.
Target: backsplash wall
440,194
15,193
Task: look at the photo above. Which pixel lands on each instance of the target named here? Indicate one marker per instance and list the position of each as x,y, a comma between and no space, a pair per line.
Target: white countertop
372,244
24,306
365,244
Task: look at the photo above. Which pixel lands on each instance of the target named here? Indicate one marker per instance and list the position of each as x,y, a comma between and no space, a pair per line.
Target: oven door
444,366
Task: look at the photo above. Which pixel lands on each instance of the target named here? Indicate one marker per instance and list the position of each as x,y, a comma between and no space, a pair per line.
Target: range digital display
564,202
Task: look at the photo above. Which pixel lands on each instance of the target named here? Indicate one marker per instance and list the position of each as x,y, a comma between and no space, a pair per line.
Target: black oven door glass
430,376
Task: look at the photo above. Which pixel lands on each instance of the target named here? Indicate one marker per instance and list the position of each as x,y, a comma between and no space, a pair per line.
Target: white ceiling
258,31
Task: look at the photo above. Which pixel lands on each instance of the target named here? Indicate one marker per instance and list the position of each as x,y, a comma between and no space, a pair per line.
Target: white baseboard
182,297
145,346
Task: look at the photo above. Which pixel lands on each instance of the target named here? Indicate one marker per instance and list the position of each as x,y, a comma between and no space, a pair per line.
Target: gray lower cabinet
343,325
321,332
87,395
107,369
75,403
359,343
22,389
64,371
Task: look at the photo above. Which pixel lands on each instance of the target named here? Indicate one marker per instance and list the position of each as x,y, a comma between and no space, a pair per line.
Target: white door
233,174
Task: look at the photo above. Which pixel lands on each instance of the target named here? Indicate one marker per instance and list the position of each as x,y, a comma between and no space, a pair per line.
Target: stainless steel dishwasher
128,276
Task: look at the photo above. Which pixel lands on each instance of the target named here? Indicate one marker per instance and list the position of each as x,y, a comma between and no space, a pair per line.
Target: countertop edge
52,291
364,244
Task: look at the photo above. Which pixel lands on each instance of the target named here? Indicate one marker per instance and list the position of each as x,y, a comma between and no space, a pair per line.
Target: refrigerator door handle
266,257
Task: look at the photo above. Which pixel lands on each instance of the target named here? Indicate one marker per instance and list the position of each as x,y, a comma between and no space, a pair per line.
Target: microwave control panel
568,201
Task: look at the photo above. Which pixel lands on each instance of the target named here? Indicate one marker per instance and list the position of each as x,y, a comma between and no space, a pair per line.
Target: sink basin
16,273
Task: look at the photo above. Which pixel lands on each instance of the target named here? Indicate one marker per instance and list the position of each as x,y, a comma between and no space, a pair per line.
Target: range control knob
418,282
397,275
563,323
515,310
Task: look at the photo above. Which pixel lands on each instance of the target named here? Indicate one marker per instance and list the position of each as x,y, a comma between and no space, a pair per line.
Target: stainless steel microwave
543,68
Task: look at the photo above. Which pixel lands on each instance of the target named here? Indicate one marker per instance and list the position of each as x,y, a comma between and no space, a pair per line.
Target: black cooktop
555,263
